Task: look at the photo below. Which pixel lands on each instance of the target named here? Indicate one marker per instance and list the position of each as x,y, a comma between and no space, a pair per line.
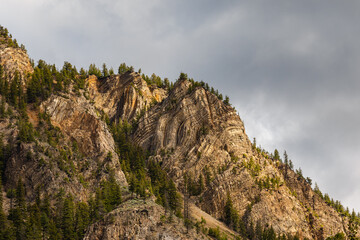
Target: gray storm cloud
290,68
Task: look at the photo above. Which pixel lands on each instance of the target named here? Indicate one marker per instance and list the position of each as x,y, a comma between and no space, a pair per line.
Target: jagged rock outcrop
36,164
123,96
195,132
187,129
138,219
15,60
192,131
72,153
80,122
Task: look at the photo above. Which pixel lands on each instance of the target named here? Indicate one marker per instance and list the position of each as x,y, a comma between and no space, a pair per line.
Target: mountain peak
128,156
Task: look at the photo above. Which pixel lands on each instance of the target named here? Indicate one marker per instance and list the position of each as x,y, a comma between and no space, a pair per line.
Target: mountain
97,155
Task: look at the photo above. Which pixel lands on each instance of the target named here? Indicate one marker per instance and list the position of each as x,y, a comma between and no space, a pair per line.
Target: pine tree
67,223
45,215
19,214
227,100
4,225
111,193
14,89
186,203
93,70
258,230
232,218
317,190
183,76
208,177
269,234
105,71
54,232
97,206
276,155
291,165
251,231
33,224
122,69
228,210
82,219
166,83
174,198
286,162
352,229
201,184
34,87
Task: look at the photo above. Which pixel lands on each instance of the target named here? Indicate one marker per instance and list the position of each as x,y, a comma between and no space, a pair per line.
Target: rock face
15,59
194,132
136,219
123,96
71,153
187,129
79,121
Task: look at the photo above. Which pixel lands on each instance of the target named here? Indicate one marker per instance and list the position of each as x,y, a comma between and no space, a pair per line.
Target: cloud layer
290,69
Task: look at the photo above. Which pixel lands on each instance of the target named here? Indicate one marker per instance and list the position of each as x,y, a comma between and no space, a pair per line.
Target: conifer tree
54,232
201,184
18,215
232,218
276,155
33,224
258,230
14,89
183,76
122,69
67,222
286,162
291,165
5,230
93,70
227,100
254,143
174,198
105,71
186,203
166,83
82,219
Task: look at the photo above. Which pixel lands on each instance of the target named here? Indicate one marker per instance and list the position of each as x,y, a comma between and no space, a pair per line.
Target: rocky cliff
195,132
124,96
138,219
62,146
14,59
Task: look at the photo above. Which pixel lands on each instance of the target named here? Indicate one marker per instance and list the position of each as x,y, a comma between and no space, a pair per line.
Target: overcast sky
290,68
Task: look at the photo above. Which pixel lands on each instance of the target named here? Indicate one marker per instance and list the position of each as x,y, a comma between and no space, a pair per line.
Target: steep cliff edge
63,147
193,132
138,219
123,96
13,58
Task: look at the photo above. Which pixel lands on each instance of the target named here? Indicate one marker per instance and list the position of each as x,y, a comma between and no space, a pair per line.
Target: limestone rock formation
192,131
15,59
124,96
64,145
195,132
79,121
138,219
